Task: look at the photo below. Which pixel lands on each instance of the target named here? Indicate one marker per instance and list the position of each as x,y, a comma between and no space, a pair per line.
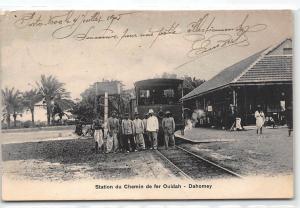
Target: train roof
158,82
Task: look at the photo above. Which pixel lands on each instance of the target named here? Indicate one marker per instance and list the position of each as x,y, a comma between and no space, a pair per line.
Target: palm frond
31,97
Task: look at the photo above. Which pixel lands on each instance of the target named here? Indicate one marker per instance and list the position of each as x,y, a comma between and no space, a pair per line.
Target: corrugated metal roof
260,67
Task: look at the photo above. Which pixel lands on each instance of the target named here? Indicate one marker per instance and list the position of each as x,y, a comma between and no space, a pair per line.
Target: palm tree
30,99
12,102
53,92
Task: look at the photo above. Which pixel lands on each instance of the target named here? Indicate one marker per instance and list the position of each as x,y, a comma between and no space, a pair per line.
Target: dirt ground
247,153
60,155
71,158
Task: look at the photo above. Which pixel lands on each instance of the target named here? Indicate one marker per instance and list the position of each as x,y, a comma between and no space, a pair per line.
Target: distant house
40,115
264,79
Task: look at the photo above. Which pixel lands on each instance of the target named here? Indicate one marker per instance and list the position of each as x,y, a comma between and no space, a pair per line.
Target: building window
144,93
169,93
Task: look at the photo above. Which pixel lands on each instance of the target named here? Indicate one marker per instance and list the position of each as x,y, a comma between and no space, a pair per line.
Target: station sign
112,88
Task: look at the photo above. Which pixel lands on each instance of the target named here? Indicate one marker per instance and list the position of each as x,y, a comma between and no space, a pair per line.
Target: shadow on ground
62,151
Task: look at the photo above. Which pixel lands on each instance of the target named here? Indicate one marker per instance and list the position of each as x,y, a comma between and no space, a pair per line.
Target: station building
263,79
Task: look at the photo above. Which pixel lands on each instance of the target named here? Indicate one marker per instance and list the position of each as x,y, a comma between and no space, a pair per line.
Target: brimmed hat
151,111
167,112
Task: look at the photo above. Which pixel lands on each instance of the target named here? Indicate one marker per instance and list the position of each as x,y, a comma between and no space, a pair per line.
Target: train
161,95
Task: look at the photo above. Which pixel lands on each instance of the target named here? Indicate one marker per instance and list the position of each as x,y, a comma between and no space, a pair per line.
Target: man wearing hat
128,131
152,128
168,125
139,130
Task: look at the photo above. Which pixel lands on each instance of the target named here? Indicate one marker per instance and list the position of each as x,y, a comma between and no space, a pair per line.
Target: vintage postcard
137,105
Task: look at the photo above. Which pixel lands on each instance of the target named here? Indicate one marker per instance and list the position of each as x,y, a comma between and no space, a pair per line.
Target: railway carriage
160,95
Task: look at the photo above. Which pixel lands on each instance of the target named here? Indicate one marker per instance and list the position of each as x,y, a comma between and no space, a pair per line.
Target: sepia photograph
139,105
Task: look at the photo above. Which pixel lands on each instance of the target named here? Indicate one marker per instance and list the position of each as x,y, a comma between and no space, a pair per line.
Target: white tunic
98,136
260,119
109,143
152,124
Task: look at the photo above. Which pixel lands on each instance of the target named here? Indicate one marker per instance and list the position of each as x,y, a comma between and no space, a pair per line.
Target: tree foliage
91,106
190,83
12,102
29,99
54,93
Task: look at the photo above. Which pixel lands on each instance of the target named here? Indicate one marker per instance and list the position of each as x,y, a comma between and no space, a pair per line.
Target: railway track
192,166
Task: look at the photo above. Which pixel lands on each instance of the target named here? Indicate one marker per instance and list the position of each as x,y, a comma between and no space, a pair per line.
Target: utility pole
182,111
105,109
234,98
96,99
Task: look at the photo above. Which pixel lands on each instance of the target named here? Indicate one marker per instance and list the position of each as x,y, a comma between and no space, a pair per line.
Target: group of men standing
135,135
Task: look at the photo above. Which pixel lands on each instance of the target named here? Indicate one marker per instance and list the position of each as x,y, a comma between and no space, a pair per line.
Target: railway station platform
245,152
206,135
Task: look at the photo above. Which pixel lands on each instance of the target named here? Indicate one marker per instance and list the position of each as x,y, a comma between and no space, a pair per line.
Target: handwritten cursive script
205,38
202,34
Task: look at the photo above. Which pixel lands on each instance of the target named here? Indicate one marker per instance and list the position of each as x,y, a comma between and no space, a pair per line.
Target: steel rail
182,173
210,162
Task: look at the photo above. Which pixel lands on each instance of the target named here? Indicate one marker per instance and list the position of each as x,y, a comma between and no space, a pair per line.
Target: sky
80,48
